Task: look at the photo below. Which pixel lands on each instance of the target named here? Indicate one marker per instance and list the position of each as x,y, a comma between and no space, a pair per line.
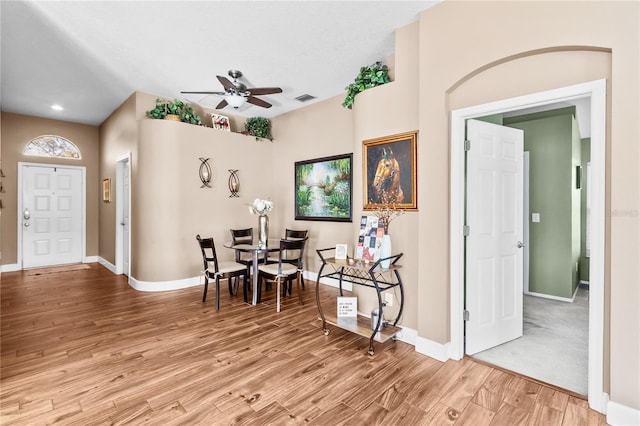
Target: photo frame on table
323,188
220,122
341,251
390,172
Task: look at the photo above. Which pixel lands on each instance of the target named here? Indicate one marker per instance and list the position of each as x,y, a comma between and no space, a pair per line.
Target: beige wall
118,137
303,135
502,33
17,131
170,206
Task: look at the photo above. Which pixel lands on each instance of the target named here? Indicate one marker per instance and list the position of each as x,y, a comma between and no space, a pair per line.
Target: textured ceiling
89,56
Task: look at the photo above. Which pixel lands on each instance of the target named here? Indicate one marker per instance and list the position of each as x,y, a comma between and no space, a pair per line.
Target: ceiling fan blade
223,103
225,82
264,90
258,102
205,93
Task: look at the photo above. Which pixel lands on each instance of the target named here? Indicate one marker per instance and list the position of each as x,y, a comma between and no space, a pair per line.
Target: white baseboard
432,349
110,266
90,259
407,335
313,276
549,296
10,267
621,415
165,285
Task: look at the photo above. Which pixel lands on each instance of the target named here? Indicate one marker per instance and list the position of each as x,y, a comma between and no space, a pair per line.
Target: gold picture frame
106,190
390,172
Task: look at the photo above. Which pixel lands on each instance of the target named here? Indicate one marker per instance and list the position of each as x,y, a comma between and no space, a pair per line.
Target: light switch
535,217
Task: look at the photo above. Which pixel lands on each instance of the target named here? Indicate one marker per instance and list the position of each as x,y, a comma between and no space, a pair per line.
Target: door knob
520,244
26,214
26,224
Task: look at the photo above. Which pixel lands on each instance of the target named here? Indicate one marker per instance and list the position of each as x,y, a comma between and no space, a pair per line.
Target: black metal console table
365,274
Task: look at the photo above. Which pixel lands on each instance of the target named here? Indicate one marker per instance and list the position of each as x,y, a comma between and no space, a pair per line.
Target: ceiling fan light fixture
235,100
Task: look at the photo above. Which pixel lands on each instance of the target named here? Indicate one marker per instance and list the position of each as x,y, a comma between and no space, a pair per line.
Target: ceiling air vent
305,97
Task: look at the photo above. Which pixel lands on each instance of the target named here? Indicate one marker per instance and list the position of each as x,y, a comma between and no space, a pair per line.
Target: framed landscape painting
390,172
323,188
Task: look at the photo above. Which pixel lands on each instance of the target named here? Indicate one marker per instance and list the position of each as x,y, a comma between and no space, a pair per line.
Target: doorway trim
83,191
596,92
120,164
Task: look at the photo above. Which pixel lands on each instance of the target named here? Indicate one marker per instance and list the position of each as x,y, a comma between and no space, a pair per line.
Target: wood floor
84,348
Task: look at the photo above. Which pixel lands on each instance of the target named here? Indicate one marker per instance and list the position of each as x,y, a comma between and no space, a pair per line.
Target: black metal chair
215,270
282,270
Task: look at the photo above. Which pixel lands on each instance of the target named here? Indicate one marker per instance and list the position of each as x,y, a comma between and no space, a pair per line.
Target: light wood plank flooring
84,348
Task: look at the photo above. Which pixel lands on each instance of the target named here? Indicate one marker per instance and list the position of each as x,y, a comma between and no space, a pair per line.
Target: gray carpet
554,347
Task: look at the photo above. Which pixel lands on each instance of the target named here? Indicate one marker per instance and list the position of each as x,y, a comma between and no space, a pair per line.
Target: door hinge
466,230
465,315
467,145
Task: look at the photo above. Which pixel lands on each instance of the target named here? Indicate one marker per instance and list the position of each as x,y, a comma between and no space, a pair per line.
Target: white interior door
51,216
494,255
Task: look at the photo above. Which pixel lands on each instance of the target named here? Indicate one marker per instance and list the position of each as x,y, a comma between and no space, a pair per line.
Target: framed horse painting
390,172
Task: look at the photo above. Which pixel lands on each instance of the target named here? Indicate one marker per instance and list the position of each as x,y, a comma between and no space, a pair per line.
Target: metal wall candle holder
234,183
205,172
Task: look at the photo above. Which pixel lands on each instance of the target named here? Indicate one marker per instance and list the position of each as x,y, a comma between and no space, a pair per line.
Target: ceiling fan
236,93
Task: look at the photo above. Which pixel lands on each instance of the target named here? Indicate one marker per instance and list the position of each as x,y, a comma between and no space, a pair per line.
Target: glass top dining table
273,244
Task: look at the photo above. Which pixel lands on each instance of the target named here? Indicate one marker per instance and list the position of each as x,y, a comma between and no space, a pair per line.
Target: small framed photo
220,122
341,251
106,190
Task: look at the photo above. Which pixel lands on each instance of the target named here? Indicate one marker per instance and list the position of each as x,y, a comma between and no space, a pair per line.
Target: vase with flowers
386,213
261,208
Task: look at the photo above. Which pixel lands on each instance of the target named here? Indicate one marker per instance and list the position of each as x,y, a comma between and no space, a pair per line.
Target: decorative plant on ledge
368,77
166,109
260,127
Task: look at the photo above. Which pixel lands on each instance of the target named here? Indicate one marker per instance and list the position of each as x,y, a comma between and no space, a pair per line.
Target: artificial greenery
368,77
165,107
260,127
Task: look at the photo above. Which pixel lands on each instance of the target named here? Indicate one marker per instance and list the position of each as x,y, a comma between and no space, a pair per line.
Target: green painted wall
575,203
554,243
584,260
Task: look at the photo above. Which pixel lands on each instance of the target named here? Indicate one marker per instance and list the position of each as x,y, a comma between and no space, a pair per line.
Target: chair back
208,249
241,236
294,233
286,246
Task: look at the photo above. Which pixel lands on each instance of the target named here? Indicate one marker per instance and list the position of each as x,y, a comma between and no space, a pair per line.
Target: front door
494,256
51,216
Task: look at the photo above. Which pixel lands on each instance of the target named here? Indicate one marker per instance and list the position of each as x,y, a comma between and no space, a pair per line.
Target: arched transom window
52,146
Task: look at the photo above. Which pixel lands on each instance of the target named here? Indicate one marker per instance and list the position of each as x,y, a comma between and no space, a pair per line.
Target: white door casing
494,244
595,91
51,215
123,211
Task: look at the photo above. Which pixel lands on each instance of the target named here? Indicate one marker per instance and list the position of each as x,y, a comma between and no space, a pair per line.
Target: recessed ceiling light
57,107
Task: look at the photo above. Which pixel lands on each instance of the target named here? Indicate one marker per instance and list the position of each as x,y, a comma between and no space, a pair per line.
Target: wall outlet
388,299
